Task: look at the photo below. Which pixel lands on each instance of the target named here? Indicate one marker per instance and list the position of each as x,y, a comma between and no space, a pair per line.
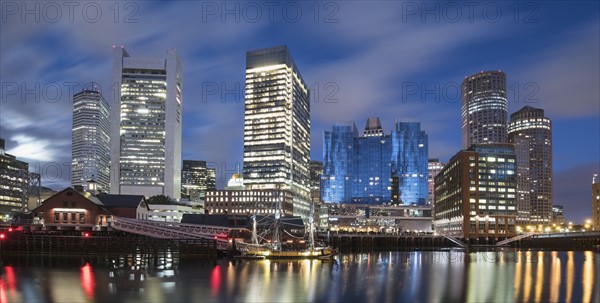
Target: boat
275,248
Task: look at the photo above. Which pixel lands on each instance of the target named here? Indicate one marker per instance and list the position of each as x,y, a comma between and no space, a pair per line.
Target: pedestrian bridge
172,230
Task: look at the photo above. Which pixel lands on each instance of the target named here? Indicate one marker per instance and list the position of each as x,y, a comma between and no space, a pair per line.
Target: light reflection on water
433,276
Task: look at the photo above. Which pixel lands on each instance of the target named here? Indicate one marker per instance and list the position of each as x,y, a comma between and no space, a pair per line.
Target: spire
373,127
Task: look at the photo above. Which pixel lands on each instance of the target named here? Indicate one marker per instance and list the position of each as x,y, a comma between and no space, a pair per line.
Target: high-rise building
339,169
14,182
596,204
90,149
146,125
484,108
475,194
277,126
196,179
410,152
316,171
531,132
375,168
434,166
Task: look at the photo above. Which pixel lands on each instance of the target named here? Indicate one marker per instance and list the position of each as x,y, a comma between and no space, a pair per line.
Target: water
432,276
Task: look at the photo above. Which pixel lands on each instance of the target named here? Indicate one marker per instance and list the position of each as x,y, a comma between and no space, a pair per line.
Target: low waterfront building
169,212
248,202
71,209
475,193
392,219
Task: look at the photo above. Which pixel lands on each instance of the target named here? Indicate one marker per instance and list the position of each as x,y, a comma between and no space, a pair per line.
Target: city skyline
559,67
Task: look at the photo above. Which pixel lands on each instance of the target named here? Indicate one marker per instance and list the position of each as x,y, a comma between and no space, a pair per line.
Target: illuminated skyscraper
277,125
14,181
146,125
196,179
90,151
531,132
375,168
484,109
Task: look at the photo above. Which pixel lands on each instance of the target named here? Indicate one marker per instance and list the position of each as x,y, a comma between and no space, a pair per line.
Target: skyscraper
484,108
90,151
375,168
410,150
277,125
338,168
14,181
196,179
146,125
531,132
316,171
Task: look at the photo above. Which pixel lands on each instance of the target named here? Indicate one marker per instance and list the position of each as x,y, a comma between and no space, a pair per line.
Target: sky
388,59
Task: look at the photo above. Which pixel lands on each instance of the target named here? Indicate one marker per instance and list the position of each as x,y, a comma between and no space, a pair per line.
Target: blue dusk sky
390,59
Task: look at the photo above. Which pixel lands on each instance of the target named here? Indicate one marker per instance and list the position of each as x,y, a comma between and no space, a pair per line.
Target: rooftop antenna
594,178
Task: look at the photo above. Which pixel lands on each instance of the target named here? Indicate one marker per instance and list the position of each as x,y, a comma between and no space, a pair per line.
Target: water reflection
436,276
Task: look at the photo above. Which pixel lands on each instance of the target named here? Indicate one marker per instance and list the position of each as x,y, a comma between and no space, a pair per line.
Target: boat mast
311,225
254,233
276,235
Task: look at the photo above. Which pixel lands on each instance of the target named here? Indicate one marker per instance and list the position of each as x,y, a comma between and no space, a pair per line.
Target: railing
513,239
171,230
456,241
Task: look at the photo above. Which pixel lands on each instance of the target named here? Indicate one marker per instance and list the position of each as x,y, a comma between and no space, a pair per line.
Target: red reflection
3,298
215,280
87,280
10,278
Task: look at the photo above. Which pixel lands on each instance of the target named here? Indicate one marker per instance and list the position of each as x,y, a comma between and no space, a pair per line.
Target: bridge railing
456,241
513,239
168,230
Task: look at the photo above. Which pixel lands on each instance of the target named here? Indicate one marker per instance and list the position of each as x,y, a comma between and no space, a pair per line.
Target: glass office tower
375,168
410,150
90,149
277,126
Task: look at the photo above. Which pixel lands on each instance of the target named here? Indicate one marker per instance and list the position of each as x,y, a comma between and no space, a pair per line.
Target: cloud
31,148
565,75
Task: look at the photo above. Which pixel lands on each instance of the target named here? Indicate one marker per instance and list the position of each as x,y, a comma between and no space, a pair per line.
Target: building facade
146,125
531,132
71,209
277,126
90,149
14,182
249,202
434,166
475,194
389,219
558,216
375,168
484,108
196,179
